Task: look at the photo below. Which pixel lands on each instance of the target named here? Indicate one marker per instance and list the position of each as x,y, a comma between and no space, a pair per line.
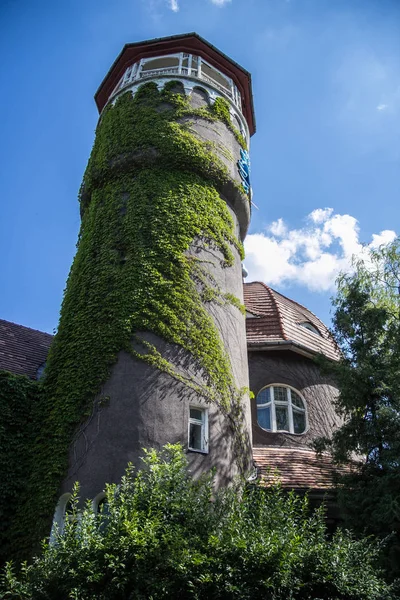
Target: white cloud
278,227
311,256
319,215
382,238
220,2
381,107
173,5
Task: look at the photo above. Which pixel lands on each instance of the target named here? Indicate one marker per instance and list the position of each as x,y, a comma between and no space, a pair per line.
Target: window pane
161,63
282,421
196,413
264,417
299,421
280,394
296,400
264,396
195,440
103,507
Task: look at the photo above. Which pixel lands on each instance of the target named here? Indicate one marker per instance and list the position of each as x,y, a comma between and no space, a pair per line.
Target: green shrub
167,536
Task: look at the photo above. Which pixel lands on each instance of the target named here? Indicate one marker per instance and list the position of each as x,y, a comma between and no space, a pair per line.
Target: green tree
164,535
366,325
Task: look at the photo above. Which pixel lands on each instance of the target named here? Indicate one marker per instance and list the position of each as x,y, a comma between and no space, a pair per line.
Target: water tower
151,346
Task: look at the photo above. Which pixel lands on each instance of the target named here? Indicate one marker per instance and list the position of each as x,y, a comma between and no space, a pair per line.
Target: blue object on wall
244,169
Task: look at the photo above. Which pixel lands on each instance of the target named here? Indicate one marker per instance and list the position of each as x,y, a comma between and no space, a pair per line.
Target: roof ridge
287,298
298,304
278,299
270,290
324,327
25,327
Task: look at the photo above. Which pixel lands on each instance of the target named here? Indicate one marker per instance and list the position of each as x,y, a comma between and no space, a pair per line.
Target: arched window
102,510
199,97
281,408
62,512
100,504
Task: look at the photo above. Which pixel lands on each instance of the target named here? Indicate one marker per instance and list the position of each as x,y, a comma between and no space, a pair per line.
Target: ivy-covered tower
151,344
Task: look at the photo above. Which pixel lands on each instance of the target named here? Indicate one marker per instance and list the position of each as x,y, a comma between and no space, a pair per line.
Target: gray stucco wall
139,406
289,368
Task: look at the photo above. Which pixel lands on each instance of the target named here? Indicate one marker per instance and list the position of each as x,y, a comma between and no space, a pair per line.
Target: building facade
159,340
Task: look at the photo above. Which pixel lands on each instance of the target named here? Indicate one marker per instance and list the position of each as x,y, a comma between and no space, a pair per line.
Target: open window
198,429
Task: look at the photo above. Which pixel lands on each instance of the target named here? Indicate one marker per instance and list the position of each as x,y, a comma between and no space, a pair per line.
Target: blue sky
325,158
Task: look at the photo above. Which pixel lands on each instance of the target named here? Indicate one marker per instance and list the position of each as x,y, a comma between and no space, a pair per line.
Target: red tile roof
22,350
296,468
275,320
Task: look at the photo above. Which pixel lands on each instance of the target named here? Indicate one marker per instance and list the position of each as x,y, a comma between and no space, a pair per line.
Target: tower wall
152,321
145,402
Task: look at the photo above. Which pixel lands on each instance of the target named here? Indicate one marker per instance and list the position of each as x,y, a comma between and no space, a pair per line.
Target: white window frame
272,403
59,518
204,429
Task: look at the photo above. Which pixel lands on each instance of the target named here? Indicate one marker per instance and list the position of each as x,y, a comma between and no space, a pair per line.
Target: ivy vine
150,190
18,395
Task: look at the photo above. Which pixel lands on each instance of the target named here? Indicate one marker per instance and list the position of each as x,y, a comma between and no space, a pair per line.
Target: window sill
283,431
197,451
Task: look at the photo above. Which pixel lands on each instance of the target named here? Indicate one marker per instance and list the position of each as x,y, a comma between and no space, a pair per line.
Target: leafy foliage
18,394
151,188
167,536
367,327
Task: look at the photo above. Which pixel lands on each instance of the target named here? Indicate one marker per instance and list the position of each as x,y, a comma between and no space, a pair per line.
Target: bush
164,535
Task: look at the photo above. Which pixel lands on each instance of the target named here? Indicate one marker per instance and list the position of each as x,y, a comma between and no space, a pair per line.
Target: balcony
182,65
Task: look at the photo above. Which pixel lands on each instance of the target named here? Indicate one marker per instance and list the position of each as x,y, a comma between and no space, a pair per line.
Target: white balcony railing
186,65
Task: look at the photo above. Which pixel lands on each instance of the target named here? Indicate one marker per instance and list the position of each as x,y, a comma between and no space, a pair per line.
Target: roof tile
295,468
277,319
22,350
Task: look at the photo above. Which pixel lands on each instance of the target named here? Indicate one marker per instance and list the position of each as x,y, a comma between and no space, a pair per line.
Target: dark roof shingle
22,350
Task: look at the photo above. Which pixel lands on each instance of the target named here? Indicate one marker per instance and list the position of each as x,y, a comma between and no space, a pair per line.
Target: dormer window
310,327
281,408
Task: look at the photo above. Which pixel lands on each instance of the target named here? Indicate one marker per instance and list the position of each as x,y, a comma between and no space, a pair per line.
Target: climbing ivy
150,190
18,394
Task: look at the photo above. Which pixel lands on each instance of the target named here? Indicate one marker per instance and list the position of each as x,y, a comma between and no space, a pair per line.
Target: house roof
188,42
273,323
22,350
295,468
277,322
